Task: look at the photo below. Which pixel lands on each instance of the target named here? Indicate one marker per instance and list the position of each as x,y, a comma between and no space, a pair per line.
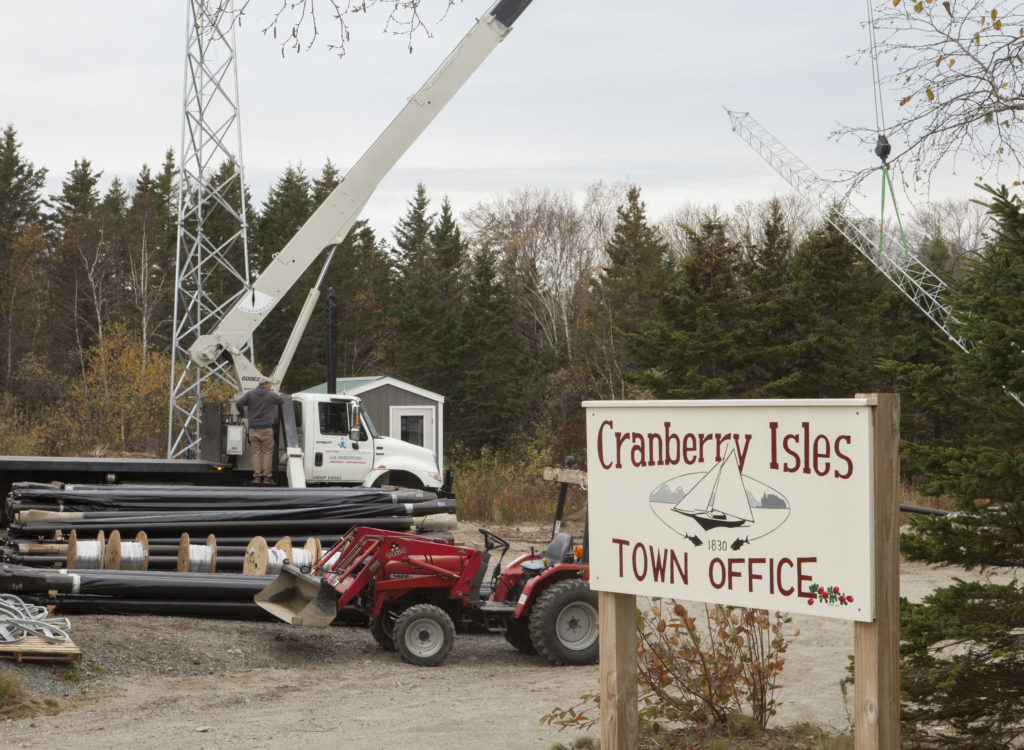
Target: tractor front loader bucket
299,598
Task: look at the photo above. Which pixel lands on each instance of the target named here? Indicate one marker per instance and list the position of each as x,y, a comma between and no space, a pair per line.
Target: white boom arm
334,218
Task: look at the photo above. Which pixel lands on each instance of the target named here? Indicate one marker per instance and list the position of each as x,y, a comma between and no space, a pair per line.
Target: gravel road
147,681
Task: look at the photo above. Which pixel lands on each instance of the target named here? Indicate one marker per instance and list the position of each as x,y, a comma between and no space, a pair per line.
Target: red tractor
415,590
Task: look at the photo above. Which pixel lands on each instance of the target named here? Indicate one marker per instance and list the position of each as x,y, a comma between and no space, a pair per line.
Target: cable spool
260,559
316,549
257,555
303,557
85,555
197,558
120,555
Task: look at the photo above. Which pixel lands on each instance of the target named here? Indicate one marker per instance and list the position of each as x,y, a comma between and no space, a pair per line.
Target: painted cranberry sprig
828,595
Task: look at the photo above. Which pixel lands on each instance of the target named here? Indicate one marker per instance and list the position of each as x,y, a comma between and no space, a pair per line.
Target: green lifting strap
899,221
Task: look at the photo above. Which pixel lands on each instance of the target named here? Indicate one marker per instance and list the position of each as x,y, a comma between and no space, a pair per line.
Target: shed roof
356,386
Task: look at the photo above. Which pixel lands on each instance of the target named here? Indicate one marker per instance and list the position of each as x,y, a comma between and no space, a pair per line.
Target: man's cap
264,380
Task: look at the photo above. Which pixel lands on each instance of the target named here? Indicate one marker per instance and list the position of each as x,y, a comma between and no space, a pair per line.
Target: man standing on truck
262,401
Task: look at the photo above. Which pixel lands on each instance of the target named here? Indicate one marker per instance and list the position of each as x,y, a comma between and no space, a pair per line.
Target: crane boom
333,219
911,276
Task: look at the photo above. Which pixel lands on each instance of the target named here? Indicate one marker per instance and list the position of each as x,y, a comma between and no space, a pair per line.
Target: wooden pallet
34,648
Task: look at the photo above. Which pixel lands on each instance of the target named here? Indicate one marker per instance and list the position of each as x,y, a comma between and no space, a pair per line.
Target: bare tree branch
296,23
952,73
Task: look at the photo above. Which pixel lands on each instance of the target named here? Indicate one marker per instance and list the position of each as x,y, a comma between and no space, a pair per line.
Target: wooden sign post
780,505
876,655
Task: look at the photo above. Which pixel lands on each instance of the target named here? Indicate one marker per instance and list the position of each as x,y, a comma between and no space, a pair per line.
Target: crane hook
882,148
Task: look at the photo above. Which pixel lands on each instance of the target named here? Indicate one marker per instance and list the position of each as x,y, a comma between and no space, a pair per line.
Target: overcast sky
580,91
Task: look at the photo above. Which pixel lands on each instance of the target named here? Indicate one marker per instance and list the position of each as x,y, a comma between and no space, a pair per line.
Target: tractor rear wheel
563,623
382,628
424,634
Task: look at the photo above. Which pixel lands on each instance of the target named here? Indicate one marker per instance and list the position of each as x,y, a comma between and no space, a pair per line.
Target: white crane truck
325,438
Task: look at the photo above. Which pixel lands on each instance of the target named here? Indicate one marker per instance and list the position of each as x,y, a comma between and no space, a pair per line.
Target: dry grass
18,703
507,486
738,735
909,496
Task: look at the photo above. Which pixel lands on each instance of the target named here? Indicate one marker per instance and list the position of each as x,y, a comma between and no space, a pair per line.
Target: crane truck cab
340,445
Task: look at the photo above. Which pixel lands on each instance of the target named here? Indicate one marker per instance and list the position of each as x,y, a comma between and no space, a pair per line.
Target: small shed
398,409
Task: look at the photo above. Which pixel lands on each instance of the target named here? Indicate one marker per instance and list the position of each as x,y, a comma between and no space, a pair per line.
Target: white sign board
764,504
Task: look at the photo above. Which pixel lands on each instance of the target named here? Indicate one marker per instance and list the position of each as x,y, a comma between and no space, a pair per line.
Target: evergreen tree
78,198
413,349
768,275
285,210
970,695
329,179
22,252
147,264
79,267
20,186
837,322
624,302
485,400
165,188
702,345
444,304
360,274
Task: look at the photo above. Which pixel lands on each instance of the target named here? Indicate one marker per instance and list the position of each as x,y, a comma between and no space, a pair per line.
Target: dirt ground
147,681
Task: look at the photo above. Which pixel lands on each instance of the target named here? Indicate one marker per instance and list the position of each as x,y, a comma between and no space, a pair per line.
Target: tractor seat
553,554
558,550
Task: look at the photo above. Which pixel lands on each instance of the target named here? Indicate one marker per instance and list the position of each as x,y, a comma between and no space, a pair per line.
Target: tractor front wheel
424,634
382,628
563,623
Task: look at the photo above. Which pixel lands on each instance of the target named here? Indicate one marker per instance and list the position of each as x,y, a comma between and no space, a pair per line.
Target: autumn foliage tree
120,405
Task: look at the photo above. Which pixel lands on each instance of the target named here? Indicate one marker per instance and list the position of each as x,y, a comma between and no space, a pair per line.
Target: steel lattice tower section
910,275
212,250
918,282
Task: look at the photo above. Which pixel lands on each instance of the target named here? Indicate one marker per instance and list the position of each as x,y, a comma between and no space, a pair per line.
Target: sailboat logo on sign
721,504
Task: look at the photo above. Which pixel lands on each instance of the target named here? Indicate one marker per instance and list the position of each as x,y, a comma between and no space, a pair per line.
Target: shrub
705,674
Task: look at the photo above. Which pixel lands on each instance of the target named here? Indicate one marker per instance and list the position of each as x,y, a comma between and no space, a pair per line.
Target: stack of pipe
183,550
43,516
137,592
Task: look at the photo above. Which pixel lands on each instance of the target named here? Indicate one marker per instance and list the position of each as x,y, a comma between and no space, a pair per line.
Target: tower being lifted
906,271
212,262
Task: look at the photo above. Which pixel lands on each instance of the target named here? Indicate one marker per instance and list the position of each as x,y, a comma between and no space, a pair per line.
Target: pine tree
837,322
147,264
22,249
970,695
286,209
624,301
413,348
20,186
485,400
78,198
768,277
360,274
701,346
329,179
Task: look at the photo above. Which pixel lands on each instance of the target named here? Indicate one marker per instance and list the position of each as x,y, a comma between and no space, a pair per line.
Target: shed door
413,424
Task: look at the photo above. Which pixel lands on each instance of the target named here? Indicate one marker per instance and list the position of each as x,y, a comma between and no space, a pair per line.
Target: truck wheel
382,629
518,634
424,634
563,623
